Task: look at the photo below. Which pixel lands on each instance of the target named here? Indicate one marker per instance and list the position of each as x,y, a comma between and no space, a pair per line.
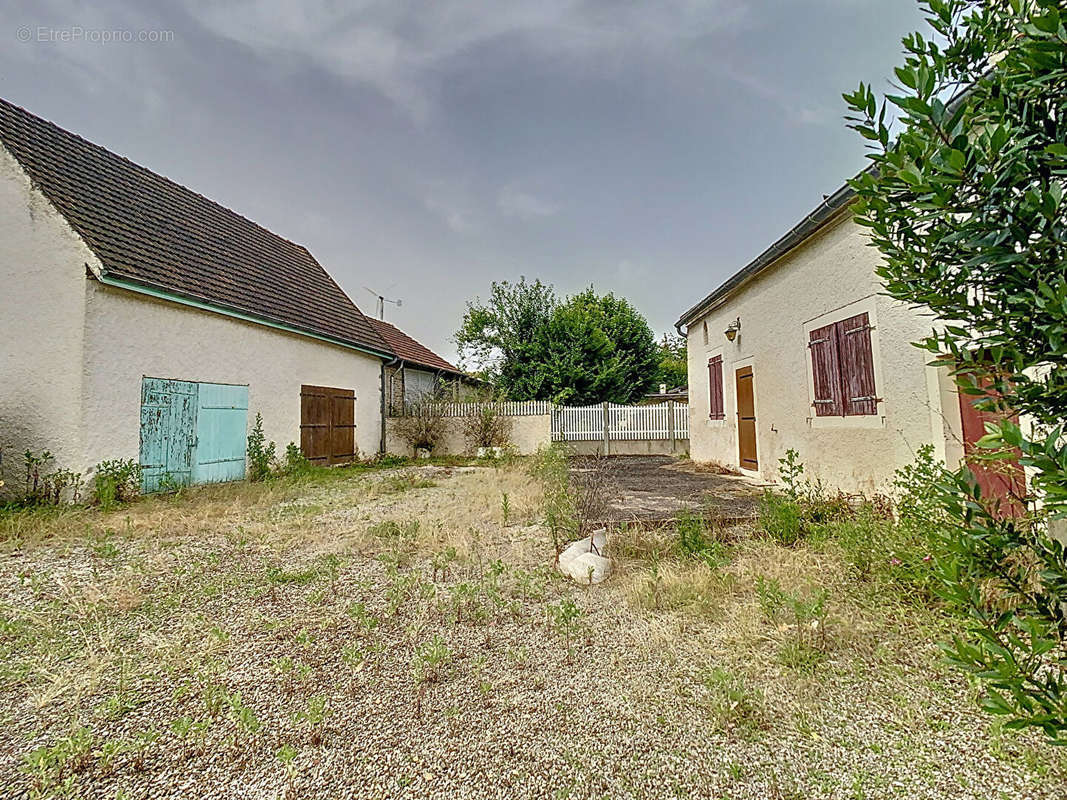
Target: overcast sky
425,149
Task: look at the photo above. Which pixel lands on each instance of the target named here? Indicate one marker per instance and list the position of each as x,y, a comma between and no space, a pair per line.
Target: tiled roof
150,231
410,350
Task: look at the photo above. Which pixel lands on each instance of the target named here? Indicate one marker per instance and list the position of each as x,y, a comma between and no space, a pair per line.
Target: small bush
423,426
485,427
261,454
45,485
296,463
116,481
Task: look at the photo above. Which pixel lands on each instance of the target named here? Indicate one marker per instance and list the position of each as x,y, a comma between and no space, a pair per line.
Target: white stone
584,561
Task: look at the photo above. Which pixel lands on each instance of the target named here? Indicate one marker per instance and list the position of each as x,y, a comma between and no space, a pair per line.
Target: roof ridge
149,230
153,173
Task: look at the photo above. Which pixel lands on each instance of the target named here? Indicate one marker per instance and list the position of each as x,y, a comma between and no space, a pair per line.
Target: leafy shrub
116,481
261,454
964,201
296,463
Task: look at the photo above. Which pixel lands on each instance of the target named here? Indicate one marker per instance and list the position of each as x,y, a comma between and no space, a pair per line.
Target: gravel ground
290,645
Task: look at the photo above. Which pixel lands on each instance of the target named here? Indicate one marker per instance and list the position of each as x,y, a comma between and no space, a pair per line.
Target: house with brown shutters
801,350
143,321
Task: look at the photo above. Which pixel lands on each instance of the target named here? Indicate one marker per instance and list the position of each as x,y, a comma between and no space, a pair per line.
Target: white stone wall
527,433
129,336
42,272
829,277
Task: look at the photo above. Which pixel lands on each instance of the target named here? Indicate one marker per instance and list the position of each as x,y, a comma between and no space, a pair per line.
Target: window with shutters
842,366
716,409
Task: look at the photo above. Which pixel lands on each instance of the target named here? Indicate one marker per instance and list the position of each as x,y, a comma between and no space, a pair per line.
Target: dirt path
657,488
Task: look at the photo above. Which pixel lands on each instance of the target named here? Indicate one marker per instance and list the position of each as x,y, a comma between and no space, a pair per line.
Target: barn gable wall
42,273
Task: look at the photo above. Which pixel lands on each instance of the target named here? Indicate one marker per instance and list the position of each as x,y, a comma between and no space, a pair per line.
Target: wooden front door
328,424
746,419
1001,482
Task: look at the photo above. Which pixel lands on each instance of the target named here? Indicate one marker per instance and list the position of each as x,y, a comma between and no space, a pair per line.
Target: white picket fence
587,423
524,408
623,423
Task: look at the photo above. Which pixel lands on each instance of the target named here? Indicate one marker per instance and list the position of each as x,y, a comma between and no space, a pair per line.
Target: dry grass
400,630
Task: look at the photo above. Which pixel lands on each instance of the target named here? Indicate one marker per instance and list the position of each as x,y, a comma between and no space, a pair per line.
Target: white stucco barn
143,321
801,349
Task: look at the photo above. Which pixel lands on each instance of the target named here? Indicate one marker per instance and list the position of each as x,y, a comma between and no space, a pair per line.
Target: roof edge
163,293
405,362
816,219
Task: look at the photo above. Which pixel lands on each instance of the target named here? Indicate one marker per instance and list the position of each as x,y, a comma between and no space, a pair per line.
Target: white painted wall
527,434
42,272
73,351
129,336
829,277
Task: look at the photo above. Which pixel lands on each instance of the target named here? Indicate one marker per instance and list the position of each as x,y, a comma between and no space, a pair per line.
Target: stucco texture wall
527,434
129,336
42,272
829,277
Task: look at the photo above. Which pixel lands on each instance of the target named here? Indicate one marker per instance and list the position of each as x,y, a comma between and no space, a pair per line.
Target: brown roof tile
409,349
149,230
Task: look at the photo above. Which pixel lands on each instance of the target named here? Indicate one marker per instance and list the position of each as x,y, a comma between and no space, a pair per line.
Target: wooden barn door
746,419
328,424
221,433
168,433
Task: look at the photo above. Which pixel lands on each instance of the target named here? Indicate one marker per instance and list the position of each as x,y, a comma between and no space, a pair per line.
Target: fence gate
328,424
612,422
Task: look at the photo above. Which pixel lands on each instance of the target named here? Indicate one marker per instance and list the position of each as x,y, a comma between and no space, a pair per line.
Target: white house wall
829,277
42,272
129,336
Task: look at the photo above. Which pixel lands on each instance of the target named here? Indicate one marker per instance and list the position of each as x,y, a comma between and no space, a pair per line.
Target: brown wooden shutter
822,342
715,394
857,366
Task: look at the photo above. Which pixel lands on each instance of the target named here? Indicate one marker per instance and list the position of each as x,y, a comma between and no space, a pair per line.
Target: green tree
965,203
500,335
587,349
673,363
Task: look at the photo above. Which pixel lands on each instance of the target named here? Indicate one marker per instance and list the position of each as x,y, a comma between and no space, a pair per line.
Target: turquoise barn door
168,433
221,433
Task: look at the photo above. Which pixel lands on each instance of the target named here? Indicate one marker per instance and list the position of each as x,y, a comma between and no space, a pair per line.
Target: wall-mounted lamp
733,330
